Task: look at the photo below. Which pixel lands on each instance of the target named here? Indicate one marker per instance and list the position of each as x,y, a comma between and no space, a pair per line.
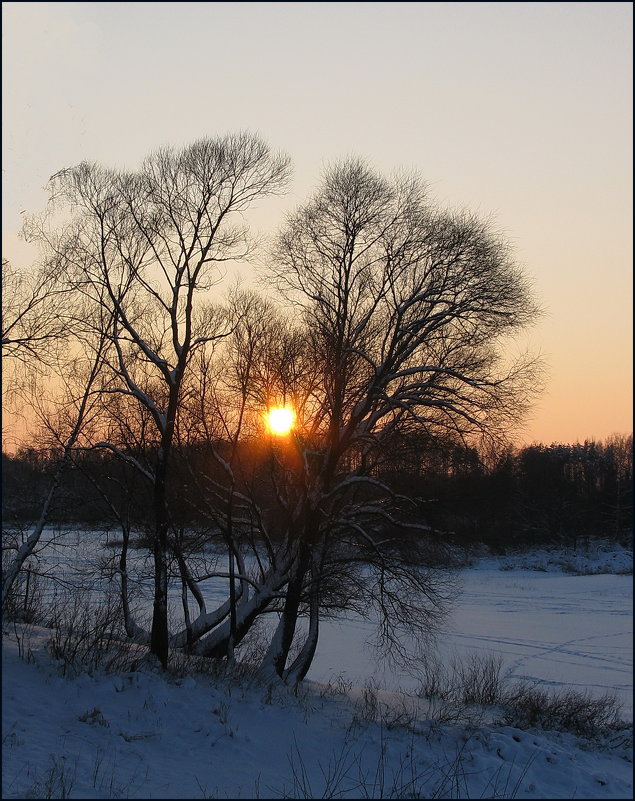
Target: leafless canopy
408,306
401,317
143,249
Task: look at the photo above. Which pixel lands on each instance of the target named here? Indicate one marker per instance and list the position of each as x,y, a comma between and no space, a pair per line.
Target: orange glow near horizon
280,420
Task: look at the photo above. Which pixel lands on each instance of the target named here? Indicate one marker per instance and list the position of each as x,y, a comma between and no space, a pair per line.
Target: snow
143,735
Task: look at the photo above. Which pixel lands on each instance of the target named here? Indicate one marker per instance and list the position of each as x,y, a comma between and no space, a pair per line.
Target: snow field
139,735
350,732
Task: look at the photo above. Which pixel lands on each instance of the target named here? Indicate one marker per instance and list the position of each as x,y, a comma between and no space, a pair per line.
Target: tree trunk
302,662
278,651
231,633
132,629
159,635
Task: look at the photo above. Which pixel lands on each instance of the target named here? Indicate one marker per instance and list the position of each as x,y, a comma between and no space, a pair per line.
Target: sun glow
281,420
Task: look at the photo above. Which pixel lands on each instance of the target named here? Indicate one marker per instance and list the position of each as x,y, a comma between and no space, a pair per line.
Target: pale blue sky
520,110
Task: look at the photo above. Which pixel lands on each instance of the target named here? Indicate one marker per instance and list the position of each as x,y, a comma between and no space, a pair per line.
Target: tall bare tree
145,248
402,315
409,309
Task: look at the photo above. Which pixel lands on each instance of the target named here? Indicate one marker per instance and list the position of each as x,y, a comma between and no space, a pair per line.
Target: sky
518,111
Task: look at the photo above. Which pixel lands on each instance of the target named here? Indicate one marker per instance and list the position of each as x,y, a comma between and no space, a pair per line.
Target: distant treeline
539,494
558,493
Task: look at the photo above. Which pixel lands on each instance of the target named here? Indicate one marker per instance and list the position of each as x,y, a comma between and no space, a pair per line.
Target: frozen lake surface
559,629
546,623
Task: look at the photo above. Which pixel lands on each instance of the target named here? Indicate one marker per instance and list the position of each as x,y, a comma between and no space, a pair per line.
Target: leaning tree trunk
300,667
27,547
278,651
216,643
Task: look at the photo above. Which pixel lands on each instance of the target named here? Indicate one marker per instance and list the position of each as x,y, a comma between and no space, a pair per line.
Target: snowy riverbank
140,735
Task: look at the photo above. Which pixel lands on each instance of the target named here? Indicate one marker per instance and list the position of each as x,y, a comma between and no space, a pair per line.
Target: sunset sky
521,111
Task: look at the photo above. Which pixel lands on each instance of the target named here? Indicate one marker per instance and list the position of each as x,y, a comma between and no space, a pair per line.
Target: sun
281,420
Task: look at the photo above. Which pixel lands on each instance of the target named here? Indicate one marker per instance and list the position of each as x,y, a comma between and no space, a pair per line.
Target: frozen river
559,629
548,626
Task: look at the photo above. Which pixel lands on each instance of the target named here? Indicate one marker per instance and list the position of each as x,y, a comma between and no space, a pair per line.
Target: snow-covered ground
140,735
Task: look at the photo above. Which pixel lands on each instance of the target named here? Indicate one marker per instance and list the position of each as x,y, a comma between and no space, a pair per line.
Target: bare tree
408,310
35,331
145,248
38,340
236,485
66,426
